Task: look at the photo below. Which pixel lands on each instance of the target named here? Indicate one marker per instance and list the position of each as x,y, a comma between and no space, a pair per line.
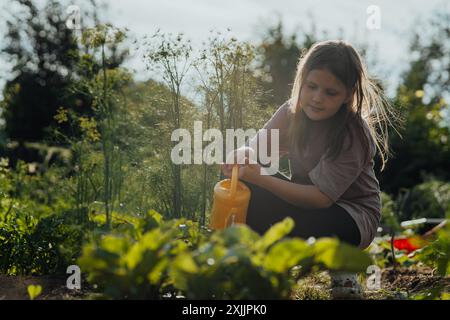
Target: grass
315,286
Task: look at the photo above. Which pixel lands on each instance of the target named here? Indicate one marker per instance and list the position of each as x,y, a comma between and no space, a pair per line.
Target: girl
330,128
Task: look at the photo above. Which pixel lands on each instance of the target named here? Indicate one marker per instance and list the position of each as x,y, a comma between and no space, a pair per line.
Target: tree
43,51
230,94
46,61
172,55
424,148
279,62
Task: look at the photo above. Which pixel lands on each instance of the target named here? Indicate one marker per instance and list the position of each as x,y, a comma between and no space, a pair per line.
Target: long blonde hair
368,102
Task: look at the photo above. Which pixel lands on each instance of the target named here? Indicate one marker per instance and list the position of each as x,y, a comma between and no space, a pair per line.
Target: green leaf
114,244
150,244
90,260
236,234
336,255
153,219
445,296
287,254
185,263
275,233
153,239
34,291
181,270
133,256
155,275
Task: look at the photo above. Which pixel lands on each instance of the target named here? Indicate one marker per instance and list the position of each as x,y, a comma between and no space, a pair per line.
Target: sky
249,18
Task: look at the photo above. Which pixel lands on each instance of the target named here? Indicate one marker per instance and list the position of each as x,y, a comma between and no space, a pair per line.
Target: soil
396,284
413,280
400,283
53,288
407,283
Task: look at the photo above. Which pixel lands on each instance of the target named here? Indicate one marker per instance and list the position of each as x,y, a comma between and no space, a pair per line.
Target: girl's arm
306,196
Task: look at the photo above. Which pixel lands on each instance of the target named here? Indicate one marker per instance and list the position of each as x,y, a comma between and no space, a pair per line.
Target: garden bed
397,284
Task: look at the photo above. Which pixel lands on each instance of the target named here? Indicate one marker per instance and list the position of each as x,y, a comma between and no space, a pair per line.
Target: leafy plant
134,265
39,234
178,258
437,253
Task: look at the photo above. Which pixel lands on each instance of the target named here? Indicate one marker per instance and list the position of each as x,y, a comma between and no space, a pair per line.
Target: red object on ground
409,244
415,242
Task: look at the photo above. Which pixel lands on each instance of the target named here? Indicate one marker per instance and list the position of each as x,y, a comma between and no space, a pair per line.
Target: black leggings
266,209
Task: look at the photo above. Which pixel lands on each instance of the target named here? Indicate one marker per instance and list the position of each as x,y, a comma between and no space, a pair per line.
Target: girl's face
322,95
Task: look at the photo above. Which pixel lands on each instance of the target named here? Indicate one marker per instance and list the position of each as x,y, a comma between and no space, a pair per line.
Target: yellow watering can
231,199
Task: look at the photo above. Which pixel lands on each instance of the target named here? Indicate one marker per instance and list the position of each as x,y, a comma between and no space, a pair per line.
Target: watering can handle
234,180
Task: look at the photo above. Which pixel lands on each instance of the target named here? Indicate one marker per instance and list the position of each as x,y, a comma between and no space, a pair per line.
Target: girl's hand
247,172
227,170
251,173
239,157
